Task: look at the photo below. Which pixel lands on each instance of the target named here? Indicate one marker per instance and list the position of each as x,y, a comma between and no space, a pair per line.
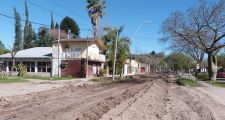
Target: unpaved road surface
144,98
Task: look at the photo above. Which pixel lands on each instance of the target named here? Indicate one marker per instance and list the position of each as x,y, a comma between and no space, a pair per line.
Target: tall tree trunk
212,66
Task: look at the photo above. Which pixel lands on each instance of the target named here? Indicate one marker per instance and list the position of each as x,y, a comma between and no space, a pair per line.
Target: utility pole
59,53
115,51
87,59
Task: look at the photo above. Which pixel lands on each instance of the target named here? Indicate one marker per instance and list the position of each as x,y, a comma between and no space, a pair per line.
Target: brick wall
72,68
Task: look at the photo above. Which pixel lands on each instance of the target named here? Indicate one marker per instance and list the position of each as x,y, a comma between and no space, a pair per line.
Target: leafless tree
196,53
202,27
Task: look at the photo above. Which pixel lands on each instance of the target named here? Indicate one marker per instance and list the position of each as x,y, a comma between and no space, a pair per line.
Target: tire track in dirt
141,98
186,105
217,109
69,102
148,104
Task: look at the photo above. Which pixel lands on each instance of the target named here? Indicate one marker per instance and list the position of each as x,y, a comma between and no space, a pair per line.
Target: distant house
132,67
68,58
38,61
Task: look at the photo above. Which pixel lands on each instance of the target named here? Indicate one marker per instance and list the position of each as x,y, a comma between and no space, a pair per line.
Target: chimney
68,34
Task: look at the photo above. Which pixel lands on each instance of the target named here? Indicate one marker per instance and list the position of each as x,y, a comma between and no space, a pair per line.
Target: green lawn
7,79
218,84
188,82
12,80
47,78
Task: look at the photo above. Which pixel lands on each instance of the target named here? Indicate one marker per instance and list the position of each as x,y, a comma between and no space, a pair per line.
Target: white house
67,57
132,67
38,61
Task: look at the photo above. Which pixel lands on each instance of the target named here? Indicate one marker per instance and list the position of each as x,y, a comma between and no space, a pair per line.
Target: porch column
7,66
35,67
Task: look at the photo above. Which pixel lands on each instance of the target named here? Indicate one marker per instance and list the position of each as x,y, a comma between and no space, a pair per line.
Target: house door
94,70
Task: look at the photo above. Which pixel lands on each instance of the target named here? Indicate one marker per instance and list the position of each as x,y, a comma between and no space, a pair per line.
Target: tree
153,60
3,50
123,52
69,24
196,53
52,22
95,11
109,40
201,27
27,36
221,60
34,39
2,46
18,39
56,25
178,61
44,39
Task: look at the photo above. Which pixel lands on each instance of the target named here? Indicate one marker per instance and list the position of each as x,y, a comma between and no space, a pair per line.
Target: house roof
37,52
98,42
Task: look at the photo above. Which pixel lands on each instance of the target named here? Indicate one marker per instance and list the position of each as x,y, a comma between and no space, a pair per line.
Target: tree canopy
3,50
44,39
123,49
200,27
69,24
96,9
18,32
27,36
52,22
178,61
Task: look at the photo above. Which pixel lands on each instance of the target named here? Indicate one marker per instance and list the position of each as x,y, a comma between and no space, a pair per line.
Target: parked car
221,73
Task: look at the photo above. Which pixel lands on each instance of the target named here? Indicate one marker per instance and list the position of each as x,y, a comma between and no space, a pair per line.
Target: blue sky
129,13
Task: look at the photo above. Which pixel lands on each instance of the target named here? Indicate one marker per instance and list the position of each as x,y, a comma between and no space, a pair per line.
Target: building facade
73,55
67,57
133,67
38,61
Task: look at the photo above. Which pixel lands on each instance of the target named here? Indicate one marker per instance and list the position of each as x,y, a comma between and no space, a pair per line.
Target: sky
127,13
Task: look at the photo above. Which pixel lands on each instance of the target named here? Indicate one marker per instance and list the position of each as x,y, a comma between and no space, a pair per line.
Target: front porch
77,68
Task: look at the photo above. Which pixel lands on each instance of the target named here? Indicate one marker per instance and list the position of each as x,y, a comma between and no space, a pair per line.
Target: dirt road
145,98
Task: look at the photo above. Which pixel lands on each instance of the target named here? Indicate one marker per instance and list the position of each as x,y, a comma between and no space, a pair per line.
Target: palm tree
122,47
122,54
95,11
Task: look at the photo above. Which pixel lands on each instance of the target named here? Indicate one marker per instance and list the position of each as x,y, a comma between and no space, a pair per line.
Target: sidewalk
217,93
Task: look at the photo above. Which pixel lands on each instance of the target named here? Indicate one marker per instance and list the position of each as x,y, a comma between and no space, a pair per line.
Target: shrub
1,76
102,72
202,76
180,82
22,69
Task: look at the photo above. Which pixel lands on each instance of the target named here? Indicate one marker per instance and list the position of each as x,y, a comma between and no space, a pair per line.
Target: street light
135,33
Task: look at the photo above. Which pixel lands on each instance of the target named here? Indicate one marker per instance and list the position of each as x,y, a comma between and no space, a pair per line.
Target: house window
44,67
30,66
49,67
77,49
67,46
16,64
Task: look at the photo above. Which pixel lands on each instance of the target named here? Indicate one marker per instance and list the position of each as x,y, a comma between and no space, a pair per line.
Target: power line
48,10
7,16
44,8
42,24
77,14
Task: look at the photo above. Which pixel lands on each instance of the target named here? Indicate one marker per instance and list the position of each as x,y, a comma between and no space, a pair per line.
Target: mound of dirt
148,104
